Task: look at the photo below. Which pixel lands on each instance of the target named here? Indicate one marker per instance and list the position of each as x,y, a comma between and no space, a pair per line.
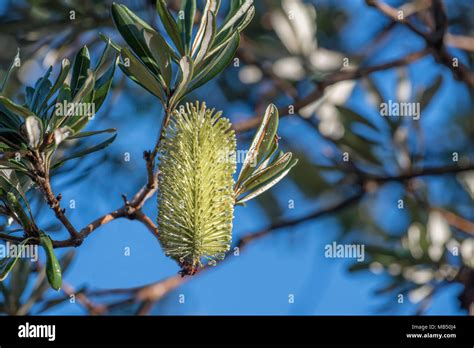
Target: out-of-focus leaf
359,147
349,116
427,95
7,266
15,108
4,81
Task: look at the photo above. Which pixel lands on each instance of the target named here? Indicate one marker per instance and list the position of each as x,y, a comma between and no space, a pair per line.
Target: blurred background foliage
418,231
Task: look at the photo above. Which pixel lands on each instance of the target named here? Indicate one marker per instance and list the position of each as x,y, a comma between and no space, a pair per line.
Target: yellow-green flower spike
196,196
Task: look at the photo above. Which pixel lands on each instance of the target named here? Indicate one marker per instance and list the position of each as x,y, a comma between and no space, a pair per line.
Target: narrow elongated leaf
211,6
170,25
84,95
217,65
107,40
427,96
262,142
4,81
65,67
79,71
131,28
349,116
8,266
91,133
103,84
225,37
161,53
185,24
238,14
90,150
266,174
207,37
186,66
15,108
268,185
140,74
42,89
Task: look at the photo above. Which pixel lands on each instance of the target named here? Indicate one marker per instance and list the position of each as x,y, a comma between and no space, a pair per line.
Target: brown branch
340,76
433,39
42,179
457,221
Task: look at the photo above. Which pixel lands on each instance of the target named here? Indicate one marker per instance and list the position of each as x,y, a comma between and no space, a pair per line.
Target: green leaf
91,133
262,143
185,25
161,53
15,108
349,116
140,74
87,151
242,10
107,40
131,28
427,95
211,6
53,268
264,175
42,89
7,266
223,38
186,69
207,38
8,72
103,84
360,147
65,67
217,65
269,184
170,25
79,70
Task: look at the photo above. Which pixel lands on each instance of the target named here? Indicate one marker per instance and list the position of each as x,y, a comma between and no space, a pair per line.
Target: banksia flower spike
197,192
195,196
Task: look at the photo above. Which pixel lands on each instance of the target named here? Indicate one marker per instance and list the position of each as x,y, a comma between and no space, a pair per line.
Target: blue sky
290,262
